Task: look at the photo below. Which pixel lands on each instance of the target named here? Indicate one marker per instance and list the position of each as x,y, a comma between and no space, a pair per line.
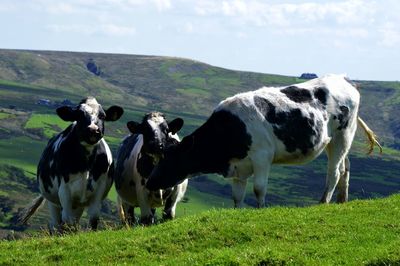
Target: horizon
183,58
359,38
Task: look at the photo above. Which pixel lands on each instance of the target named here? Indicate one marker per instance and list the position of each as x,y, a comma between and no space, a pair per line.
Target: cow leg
76,214
55,217
261,168
336,151
170,204
238,191
130,214
146,213
343,185
64,195
94,208
169,209
94,214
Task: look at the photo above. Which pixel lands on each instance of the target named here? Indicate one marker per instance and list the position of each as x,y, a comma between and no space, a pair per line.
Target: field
179,88
357,233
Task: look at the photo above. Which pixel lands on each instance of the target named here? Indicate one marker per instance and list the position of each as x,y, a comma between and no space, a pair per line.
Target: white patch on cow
77,186
91,106
108,151
155,123
174,136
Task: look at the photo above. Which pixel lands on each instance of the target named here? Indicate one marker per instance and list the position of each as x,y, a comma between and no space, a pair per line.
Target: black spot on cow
297,94
123,154
294,129
322,95
100,166
223,137
343,117
131,183
145,165
207,150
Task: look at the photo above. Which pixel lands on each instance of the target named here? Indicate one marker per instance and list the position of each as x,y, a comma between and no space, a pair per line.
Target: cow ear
134,127
175,125
66,113
114,113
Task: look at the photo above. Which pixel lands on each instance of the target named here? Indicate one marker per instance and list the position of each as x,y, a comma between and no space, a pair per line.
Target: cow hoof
168,216
149,220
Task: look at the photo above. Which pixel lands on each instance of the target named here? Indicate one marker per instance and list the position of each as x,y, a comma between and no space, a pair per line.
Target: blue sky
355,37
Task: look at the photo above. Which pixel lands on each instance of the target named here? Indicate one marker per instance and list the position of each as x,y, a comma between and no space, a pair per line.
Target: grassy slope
360,232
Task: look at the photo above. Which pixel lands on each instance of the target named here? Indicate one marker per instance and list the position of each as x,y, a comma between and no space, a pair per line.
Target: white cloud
264,13
234,7
162,5
206,7
60,8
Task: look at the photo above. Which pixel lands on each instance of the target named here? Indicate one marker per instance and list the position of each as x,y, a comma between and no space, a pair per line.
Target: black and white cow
136,158
73,172
250,131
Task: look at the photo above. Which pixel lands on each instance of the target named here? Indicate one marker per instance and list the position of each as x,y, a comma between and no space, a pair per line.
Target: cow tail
27,212
370,135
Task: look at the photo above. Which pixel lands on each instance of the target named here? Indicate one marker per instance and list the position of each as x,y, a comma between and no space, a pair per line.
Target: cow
137,155
75,169
250,131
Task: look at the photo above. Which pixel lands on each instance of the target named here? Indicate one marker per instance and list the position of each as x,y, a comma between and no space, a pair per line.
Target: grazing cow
73,172
250,131
136,158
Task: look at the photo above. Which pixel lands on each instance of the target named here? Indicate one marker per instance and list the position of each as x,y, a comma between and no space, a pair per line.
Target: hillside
32,83
357,233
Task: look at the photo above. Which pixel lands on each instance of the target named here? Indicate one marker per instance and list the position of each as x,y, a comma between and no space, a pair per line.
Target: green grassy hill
177,87
357,233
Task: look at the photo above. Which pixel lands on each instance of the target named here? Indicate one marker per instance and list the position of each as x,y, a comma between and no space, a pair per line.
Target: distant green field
21,152
51,124
4,115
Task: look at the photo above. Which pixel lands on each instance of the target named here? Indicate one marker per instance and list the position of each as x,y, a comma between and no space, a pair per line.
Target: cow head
89,117
174,167
157,132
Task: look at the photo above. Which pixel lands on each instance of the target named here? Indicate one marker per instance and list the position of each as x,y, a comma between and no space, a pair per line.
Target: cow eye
102,116
81,115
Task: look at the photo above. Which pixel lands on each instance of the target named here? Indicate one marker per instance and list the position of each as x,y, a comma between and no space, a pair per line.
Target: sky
360,38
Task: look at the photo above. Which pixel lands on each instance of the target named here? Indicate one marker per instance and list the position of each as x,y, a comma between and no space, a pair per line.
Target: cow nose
93,128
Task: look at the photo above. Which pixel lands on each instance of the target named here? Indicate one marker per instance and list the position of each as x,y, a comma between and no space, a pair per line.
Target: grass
49,123
4,115
22,152
357,233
